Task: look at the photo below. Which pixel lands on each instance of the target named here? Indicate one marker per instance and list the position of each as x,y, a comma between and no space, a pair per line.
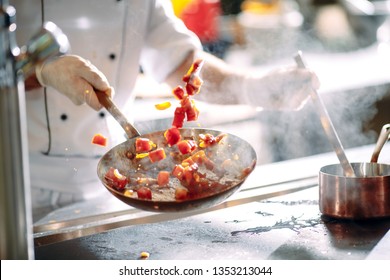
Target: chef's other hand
282,89
74,77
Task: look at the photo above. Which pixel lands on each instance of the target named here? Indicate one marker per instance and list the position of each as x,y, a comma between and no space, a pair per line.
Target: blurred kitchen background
346,42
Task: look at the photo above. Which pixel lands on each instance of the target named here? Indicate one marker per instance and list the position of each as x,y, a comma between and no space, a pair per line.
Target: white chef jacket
117,36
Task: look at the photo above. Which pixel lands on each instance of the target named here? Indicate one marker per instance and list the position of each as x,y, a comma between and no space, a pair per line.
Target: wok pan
123,157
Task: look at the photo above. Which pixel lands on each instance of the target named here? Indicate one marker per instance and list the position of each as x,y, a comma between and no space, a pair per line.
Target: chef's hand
282,89
74,77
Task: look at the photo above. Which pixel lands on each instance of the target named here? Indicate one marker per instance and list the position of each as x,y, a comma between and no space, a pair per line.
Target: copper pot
367,195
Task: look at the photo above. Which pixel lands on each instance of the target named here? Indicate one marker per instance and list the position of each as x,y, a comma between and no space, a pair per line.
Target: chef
117,37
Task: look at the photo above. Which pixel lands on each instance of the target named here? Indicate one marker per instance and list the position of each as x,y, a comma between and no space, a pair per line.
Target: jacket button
112,56
64,117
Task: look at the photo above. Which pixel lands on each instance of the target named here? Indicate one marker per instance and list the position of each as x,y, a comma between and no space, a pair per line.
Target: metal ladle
327,125
382,139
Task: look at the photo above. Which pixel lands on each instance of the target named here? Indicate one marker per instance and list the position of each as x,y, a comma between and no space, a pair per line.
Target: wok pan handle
109,104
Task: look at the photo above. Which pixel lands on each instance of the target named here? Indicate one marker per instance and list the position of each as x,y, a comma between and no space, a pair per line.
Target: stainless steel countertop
275,215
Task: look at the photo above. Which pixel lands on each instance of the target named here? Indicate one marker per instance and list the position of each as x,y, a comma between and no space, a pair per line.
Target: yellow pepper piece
141,155
163,106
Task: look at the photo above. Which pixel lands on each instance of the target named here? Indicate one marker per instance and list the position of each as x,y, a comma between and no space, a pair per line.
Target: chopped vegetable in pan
177,167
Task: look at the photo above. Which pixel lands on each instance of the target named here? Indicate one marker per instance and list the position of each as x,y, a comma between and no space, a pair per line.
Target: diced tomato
185,102
163,105
188,172
192,112
191,89
143,145
144,193
194,69
178,92
172,135
207,140
99,139
198,157
188,161
186,146
192,79
157,155
178,171
181,193
116,179
163,178
178,118
189,108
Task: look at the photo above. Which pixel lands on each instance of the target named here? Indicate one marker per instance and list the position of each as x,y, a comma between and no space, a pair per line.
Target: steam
299,134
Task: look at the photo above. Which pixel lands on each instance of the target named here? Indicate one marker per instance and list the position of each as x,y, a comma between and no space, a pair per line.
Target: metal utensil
328,125
111,107
383,137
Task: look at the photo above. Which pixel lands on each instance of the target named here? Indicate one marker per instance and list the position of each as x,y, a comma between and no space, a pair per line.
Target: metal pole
16,237
16,241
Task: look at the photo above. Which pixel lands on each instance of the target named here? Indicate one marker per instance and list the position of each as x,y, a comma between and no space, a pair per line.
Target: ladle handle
383,137
328,125
109,104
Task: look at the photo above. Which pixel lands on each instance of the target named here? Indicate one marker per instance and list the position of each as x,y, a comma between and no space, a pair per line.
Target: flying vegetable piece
192,78
178,92
178,117
172,135
99,139
189,108
163,105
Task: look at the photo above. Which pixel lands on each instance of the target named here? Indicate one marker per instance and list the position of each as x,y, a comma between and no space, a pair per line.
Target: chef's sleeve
167,43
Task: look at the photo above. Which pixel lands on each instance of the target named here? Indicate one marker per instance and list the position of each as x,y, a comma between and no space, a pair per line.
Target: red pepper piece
178,92
181,193
172,135
186,146
157,155
192,78
115,179
178,171
163,178
143,145
99,139
178,118
194,70
192,112
144,193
